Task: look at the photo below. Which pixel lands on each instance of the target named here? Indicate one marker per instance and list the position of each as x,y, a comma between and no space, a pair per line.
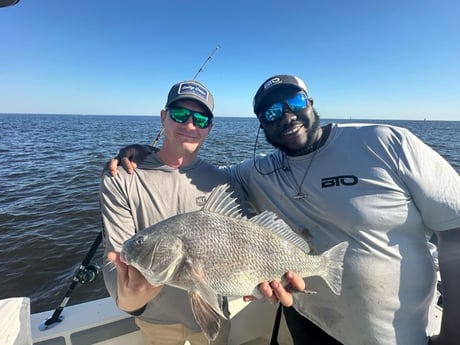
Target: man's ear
310,100
163,117
260,122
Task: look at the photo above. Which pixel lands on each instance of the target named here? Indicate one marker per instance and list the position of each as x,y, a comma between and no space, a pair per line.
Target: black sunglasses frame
194,114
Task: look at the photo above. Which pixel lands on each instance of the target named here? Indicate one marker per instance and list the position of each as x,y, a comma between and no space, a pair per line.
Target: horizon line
358,117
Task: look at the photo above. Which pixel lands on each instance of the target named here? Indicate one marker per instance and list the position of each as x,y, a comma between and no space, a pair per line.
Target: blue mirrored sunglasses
275,112
181,115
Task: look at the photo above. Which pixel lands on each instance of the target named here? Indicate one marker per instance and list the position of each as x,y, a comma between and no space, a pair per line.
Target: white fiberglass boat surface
101,322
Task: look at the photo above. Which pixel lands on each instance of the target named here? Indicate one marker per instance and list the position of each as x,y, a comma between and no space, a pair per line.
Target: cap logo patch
193,89
272,82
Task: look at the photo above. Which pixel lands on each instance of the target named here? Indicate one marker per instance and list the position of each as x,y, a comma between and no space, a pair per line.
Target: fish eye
140,241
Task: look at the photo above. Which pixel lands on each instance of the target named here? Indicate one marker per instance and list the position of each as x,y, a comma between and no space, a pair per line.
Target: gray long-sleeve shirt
130,203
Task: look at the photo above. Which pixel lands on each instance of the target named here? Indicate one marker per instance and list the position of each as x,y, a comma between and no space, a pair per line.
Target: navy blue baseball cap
275,83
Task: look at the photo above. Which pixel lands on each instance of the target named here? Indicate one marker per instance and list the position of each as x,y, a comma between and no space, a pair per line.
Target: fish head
155,256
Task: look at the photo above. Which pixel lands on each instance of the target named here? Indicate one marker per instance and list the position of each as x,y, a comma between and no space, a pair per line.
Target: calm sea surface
49,214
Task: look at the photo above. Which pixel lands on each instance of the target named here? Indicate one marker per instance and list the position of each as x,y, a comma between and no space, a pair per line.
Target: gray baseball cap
274,83
191,89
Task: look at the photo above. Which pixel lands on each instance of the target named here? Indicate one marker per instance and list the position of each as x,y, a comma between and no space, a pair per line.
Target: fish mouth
123,258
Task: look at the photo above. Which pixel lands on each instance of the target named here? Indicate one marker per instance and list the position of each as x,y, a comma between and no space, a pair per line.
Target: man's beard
309,145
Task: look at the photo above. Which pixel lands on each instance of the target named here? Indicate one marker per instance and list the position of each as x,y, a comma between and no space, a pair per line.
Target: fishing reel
88,274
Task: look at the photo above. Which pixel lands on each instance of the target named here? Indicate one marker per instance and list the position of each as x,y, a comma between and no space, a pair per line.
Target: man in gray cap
169,181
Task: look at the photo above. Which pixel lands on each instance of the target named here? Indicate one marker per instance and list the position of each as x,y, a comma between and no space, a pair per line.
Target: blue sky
392,59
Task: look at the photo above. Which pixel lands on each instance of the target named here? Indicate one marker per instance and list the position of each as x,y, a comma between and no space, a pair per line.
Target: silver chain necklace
300,195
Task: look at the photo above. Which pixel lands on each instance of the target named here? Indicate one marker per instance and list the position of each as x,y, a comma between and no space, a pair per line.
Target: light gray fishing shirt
384,191
130,203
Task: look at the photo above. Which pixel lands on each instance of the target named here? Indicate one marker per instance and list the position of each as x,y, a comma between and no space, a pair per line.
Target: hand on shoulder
128,157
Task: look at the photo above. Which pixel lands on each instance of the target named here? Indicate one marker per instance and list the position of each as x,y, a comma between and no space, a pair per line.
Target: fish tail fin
334,269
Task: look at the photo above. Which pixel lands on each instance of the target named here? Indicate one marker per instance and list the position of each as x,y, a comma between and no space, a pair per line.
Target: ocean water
49,182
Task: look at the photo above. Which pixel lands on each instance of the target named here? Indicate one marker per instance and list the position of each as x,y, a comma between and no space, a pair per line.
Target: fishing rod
160,133
86,273
206,61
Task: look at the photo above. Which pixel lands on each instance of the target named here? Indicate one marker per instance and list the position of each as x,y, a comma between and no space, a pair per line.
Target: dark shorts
304,332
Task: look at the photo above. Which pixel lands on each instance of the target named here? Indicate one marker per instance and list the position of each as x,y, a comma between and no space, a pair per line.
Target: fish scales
218,252
236,255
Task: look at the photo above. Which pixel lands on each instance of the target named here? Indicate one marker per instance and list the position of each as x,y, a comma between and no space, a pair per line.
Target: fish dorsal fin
221,201
271,221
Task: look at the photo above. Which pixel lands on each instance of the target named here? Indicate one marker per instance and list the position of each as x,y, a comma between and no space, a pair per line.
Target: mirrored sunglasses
181,115
275,112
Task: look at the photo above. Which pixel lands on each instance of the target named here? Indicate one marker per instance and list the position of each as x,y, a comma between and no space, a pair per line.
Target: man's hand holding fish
134,291
275,291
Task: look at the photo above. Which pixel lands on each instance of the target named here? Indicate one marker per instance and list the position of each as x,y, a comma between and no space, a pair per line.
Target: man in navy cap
377,187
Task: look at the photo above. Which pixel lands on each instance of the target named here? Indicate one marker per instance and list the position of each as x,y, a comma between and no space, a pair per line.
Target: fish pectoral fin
205,291
205,303
205,315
